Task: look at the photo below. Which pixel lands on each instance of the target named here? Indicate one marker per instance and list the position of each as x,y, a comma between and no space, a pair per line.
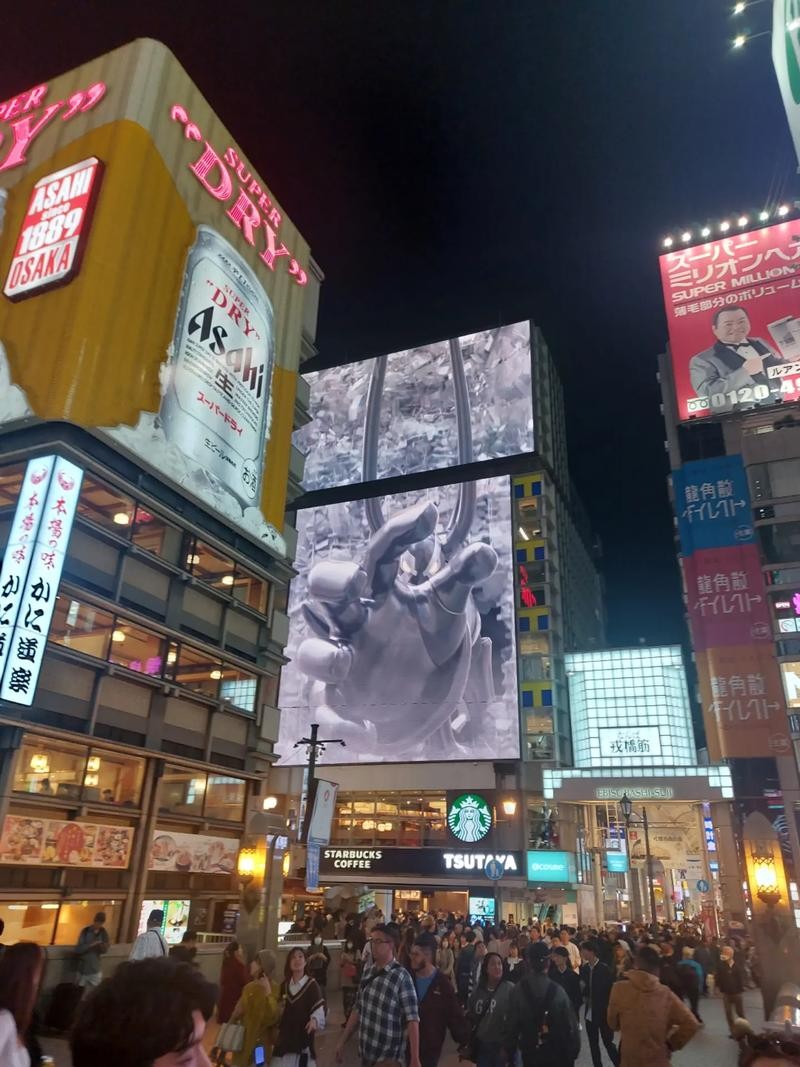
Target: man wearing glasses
386,1011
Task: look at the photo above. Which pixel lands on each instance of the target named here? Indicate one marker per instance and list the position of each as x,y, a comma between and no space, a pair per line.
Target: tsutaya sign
431,862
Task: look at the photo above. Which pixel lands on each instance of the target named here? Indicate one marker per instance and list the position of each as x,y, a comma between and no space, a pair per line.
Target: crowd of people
510,995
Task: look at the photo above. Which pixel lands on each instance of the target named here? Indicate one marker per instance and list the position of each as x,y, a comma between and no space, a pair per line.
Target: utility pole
313,743
649,866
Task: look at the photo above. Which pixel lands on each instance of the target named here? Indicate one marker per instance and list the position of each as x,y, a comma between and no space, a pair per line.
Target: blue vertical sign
712,503
312,867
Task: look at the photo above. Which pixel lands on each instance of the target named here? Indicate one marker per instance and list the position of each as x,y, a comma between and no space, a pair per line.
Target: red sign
54,230
26,116
726,597
733,312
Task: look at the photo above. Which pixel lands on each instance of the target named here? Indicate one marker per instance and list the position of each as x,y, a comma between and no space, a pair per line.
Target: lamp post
626,807
313,743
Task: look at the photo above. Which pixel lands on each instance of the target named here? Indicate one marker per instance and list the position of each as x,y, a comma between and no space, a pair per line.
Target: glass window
50,768
539,722
195,670
29,922
73,916
113,778
250,590
780,542
239,687
539,746
136,648
103,504
81,627
528,520
182,791
11,478
156,535
211,567
225,797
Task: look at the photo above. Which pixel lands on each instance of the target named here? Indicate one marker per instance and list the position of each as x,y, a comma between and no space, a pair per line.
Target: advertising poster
733,313
51,842
419,414
192,853
712,503
726,597
166,307
402,628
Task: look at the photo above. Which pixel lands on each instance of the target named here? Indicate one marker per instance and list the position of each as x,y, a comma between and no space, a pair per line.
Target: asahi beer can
215,406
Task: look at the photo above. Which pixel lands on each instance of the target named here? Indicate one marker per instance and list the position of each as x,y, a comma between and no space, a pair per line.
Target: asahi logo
469,818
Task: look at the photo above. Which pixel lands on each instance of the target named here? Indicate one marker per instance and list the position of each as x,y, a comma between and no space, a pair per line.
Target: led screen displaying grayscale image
401,633
414,406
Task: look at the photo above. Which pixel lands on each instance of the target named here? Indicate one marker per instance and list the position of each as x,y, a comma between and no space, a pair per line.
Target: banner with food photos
192,853
53,842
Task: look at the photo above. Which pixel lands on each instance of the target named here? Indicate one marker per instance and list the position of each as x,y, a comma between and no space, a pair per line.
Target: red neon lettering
203,167
271,253
244,214
24,133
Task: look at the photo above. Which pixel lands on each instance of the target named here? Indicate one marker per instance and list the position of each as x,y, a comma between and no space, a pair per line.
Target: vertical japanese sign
729,617
54,501
312,867
733,314
786,61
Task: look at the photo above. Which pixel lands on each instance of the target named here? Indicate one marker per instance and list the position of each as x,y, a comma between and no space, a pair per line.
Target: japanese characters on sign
629,743
712,503
51,842
726,597
54,229
733,313
39,580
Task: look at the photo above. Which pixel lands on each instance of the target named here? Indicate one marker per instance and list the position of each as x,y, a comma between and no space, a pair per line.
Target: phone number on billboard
750,394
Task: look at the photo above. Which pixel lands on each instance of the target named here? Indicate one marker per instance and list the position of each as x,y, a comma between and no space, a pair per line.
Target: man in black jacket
439,1010
730,982
562,973
540,1021
597,981
464,962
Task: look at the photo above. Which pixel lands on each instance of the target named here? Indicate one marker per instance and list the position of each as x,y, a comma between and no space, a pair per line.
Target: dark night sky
456,164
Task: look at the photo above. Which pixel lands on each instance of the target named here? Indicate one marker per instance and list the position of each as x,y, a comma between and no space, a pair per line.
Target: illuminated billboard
402,628
436,406
153,289
733,312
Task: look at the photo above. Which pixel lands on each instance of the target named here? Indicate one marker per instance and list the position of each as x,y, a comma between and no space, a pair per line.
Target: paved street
710,1048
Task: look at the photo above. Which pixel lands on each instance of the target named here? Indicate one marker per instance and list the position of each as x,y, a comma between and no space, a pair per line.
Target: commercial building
729,383
444,570
151,330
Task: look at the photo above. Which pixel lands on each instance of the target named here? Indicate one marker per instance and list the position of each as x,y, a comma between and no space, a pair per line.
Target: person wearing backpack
540,1021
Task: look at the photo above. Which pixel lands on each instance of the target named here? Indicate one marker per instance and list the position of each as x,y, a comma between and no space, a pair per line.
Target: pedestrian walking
488,1008
597,982
348,977
464,962
439,1009
232,980
21,970
562,974
302,1015
515,965
386,1012
691,977
623,960
565,939
151,942
729,980
653,1022
540,1022
318,960
153,1011
445,959
257,1009
93,942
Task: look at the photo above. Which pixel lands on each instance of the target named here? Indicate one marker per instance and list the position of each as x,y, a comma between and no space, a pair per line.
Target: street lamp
510,807
626,807
246,866
765,876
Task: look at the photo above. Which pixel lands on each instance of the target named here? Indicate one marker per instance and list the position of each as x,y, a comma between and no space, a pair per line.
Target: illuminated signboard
54,230
547,866
732,312
616,862
791,683
404,675
461,863
482,909
27,115
44,553
469,818
629,742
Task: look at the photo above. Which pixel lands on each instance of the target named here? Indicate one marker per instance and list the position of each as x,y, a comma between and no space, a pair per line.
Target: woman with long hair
21,970
257,1009
623,960
488,1007
302,1016
445,959
232,980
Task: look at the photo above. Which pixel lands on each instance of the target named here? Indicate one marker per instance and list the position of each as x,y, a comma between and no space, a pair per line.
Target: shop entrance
430,901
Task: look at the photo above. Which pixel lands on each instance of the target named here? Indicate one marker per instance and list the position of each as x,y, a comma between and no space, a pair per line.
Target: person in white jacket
21,968
151,943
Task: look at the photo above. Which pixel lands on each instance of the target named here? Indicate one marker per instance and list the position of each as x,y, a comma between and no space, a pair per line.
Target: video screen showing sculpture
442,404
402,628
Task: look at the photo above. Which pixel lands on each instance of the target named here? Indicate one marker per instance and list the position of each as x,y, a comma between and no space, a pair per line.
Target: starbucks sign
469,818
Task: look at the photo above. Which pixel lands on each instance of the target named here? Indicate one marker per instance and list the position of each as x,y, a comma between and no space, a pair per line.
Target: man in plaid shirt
386,1011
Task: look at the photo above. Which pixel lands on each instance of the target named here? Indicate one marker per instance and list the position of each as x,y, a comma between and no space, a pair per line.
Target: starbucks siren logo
469,818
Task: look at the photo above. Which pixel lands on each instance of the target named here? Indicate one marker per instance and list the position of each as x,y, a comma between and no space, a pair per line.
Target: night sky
457,164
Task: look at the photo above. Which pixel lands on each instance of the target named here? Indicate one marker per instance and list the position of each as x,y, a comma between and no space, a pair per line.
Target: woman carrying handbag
257,1012
303,1015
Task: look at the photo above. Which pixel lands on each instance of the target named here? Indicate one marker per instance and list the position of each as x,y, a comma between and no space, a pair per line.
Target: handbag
231,1037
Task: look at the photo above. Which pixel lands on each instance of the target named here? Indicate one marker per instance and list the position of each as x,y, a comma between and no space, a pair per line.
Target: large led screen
439,405
402,628
733,312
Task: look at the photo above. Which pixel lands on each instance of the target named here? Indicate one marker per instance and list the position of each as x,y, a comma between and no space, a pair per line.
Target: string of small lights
726,225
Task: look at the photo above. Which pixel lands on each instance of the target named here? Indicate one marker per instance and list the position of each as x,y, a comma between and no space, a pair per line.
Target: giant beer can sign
215,407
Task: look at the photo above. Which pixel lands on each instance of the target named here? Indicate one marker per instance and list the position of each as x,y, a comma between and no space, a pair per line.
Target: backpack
540,1012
